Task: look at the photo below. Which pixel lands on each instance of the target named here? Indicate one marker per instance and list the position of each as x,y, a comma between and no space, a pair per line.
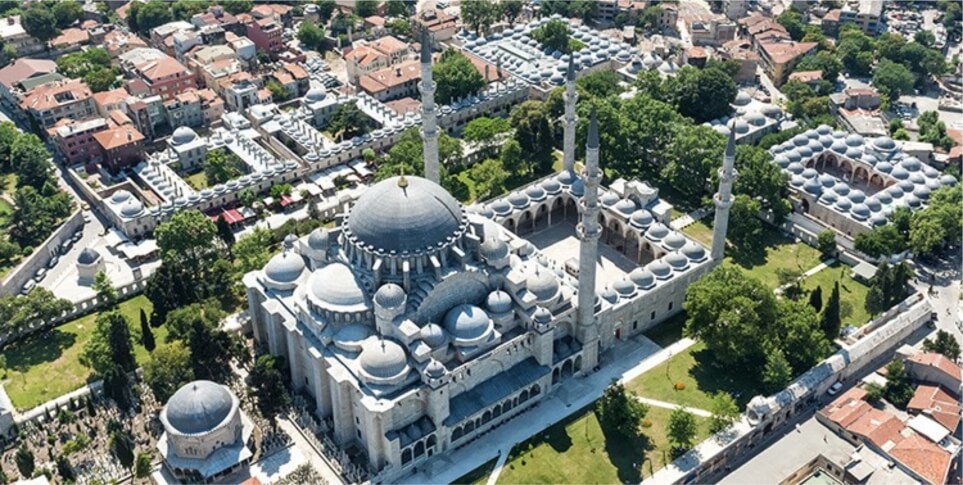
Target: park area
47,365
852,293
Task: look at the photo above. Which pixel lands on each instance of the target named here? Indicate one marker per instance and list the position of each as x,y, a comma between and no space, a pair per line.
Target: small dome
843,204
433,335
543,285
742,99
642,278
824,130
873,203
676,260
674,240
318,239
88,256
894,192
641,218
120,197
922,191
518,199
912,201
694,251
884,167
535,193
800,140
911,164
336,285
884,143
741,127
827,180
551,186
183,135
499,302
857,196
435,369
841,188
877,220
198,407
809,173
659,268
467,322
609,199
624,287
860,212
132,208
625,206
383,359
900,173
314,95
284,268
657,231
493,249
948,180
542,315
854,140
883,197
795,168
500,207
838,146
609,295
390,296
829,198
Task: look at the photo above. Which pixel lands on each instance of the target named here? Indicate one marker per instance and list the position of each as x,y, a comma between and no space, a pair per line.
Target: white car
834,389
53,262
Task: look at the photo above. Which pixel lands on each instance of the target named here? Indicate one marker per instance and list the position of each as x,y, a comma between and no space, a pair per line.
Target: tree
122,447
924,37
397,8
40,305
67,12
168,369
554,35
224,231
24,460
239,6
312,36
36,215
826,242
724,411
185,9
211,348
39,22
31,162
365,8
489,178
456,77
142,465
693,154
682,430
100,79
105,289
65,469
892,79
153,14
110,345
267,383
478,15
251,251
816,298
793,22
830,319
146,334
533,132
762,180
888,288
510,10
348,121
745,227
485,130
855,50
600,84
399,27
279,93
8,135
899,388
880,241
945,344
620,410
777,372
874,393
703,94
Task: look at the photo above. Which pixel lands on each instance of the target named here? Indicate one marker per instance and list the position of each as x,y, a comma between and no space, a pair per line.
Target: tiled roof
390,77
938,361
106,98
781,52
161,68
73,36
937,403
924,457
118,137
52,95
24,68
806,76
389,44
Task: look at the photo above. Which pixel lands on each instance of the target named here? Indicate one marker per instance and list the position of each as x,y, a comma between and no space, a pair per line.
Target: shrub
679,386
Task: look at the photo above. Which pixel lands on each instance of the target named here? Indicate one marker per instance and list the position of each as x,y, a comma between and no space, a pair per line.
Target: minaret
429,122
723,199
588,233
571,98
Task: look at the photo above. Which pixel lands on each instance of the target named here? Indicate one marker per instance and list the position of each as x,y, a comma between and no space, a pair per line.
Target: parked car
38,276
65,246
834,389
53,262
27,287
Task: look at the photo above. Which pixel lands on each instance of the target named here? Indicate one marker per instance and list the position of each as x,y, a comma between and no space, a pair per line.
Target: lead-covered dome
467,323
383,360
183,135
335,287
198,407
405,214
284,268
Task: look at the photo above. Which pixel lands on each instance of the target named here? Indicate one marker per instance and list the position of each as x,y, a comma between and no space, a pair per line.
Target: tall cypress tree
830,321
146,335
816,299
224,231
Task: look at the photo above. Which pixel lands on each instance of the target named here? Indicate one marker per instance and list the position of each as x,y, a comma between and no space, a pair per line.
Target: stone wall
41,255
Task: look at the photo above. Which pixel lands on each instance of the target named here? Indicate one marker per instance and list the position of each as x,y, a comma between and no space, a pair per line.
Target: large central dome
405,214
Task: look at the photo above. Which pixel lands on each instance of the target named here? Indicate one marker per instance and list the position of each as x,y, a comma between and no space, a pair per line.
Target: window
670,306
653,316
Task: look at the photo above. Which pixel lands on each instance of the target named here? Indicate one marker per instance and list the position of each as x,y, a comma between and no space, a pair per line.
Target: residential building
121,147
165,77
184,41
934,368
20,70
50,103
112,100
668,17
148,115
118,42
13,34
866,16
280,12
294,79
240,91
856,99
392,82
212,74
440,25
736,9
201,57
216,15
75,139
70,40
244,50
713,31
162,36
780,58
741,50
363,59
212,105
184,110
266,35
940,404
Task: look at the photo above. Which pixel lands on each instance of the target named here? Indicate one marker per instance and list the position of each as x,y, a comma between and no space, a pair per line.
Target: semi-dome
88,256
543,285
383,359
198,407
336,286
498,302
405,214
467,323
183,135
390,295
284,268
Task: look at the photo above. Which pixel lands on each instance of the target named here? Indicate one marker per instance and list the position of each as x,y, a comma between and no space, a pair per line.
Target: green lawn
578,450
852,293
478,475
46,366
699,231
774,251
702,376
197,180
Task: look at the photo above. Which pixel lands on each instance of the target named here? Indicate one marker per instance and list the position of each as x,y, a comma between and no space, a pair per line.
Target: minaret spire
429,122
589,233
571,98
723,198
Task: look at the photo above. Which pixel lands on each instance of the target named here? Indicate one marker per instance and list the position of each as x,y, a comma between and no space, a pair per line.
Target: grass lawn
478,475
699,231
197,180
579,450
697,369
669,331
773,252
852,293
48,365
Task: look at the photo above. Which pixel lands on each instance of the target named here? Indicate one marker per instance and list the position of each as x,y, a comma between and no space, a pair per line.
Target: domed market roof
198,407
405,214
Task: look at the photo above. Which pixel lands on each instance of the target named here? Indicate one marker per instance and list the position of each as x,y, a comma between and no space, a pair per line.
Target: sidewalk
625,362
668,405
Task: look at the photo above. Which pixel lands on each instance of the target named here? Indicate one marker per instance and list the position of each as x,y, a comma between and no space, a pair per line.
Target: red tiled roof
781,52
73,36
113,96
924,457
939,404
877,426
25,68
161,68
118,137
806,76
939,361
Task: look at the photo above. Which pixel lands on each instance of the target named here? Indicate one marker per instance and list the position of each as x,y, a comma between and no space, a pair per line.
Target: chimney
10,20
130,136
397,72
486,74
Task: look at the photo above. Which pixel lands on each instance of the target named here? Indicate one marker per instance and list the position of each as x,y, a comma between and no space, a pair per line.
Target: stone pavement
625,362
681,222
672,405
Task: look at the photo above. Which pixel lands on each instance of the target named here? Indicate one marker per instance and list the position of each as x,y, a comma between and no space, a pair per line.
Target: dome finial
402,181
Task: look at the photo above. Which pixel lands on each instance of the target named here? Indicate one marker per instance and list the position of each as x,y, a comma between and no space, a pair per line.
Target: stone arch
861,174
633,247
497,411
578,363
876,180
846,167
419,448
432,441
486,417
555,375
567,369
536,389
805,206
509,224
507,406
525,221
523,396
613,233
406,456
543,217
457,434
570,207
469,426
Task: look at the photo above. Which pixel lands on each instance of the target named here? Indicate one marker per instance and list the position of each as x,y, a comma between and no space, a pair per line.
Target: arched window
457,434
523,396
406,456
432,441
486,417
419,449
536,389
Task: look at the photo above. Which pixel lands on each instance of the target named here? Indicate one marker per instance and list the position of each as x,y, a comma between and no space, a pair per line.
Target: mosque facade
416,324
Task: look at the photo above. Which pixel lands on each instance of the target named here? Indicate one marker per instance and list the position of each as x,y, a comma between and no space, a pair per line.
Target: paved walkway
502,458
673,406
301,443
680,223
626,362
815,269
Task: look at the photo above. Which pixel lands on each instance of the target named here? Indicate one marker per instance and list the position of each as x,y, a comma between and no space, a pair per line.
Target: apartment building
165,77
75,139
52,102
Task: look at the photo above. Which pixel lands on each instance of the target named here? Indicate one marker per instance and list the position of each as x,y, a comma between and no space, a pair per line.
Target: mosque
417,324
